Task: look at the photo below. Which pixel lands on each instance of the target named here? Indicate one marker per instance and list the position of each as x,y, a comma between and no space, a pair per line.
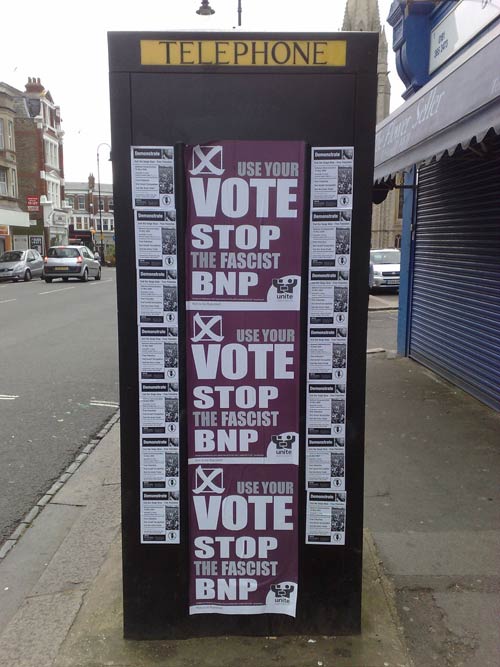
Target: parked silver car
20,265
71,261
384,268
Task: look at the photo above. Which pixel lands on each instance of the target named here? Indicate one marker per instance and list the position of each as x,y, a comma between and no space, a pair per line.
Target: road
59,379
58,382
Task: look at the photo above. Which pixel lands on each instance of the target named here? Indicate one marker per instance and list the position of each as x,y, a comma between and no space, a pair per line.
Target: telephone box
242,169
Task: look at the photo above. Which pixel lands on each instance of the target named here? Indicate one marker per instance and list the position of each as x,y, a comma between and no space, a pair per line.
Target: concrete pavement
61,605
431,503
383,301
431,585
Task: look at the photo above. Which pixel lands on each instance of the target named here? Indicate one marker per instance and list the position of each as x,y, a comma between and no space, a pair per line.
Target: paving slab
445,553
100,468
96,636
28,560
467,615
34,636
80,556
431,503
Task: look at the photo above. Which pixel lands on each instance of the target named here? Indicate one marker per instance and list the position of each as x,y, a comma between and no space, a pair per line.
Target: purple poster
244,256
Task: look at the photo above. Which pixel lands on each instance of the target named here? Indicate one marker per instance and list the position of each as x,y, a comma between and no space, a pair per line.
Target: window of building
78,222
13,183
51,153
71,200
2,136
81,202
105,225
111,225
3,182
54,193
401,199
86,223
110,205
10,135
101,204
397,241
49,116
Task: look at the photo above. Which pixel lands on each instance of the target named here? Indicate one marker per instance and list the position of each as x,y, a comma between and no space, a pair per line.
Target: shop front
10,218
445,140
4,235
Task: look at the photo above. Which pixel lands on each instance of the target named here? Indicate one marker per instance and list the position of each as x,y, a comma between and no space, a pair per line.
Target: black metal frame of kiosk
183,103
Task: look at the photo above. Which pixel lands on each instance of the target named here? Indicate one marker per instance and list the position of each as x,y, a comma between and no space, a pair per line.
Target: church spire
361,16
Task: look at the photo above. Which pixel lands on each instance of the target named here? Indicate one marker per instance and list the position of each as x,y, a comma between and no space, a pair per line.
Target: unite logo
282,593
284,287
207,161
284,444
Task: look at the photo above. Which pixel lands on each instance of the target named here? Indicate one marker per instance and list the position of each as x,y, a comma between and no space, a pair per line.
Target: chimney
34,85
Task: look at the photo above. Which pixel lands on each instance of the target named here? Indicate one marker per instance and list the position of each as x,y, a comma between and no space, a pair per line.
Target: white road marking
7,300
61,289
100,282
105,404
8,397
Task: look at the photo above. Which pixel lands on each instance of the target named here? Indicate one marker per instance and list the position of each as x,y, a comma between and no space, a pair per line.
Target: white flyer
158,353
325,464
152,177
157,301
159,408
325,517
326,409
160,463
330,239
327,355
332,177
329,297
160,520
156,239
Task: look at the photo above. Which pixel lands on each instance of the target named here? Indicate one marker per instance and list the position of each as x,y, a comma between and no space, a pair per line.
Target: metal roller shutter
455,307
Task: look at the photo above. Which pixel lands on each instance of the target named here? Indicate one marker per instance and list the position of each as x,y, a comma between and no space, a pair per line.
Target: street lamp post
206,10
101,252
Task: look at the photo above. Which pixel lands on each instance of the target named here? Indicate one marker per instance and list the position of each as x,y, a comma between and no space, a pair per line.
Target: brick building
39,167
11,213
92,220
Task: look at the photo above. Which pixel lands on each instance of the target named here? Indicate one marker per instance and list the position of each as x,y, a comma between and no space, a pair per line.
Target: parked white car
20,265
71,261
384,268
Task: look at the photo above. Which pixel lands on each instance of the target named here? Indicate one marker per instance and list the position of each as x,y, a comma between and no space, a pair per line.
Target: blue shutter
455,308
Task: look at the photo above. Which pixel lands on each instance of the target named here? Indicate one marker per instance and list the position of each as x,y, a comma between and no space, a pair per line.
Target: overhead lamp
205,9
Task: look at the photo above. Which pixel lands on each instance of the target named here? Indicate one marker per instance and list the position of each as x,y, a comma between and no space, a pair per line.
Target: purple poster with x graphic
245,212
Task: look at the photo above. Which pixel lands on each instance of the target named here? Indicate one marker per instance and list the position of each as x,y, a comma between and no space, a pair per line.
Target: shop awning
459,104
14,218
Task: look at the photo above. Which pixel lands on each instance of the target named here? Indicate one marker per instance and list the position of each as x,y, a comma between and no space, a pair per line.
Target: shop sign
59,218
465,21
244,53
33,203
36,243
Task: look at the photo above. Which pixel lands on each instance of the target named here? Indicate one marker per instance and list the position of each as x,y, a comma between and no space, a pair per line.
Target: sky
64,43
